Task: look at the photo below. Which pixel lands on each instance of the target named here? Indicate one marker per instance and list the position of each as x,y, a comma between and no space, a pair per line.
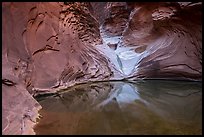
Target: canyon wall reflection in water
144,107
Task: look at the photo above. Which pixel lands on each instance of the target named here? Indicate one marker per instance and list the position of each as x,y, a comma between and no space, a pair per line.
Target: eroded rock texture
159,40
53,45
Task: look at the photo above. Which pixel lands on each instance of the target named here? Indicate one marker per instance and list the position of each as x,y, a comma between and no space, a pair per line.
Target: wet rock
16,103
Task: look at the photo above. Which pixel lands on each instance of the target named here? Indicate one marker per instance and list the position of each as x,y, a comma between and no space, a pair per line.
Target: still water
142,108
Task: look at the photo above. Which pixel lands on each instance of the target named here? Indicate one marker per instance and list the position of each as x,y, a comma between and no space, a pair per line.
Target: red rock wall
177,40
54,41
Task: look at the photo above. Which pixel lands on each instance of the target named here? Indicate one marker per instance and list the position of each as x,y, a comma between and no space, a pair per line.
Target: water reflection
147,107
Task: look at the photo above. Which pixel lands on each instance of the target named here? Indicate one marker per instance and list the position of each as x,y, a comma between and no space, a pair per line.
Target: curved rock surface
158,41
52,45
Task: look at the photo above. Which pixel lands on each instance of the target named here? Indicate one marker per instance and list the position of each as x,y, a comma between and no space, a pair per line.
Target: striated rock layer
52,45
158,41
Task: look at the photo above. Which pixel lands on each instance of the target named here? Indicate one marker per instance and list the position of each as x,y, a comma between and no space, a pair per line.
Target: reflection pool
151,107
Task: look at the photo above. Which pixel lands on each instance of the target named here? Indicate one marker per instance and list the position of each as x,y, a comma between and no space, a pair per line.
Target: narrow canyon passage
124,58
49,47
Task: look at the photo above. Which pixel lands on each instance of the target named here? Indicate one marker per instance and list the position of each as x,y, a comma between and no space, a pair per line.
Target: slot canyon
136,58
